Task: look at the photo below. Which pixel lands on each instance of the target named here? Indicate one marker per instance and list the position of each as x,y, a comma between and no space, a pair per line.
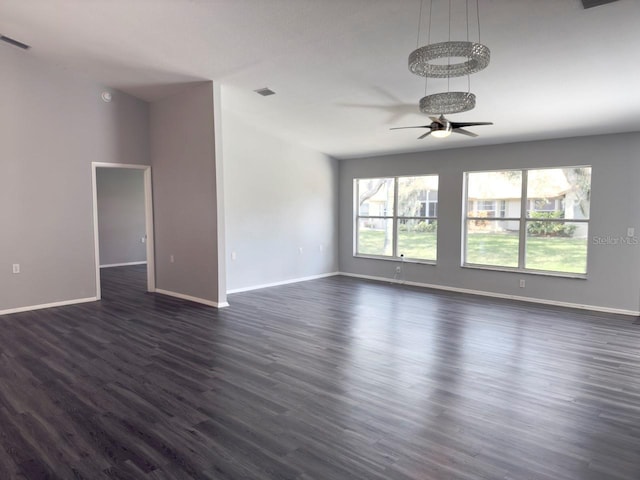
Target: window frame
394,217
523,218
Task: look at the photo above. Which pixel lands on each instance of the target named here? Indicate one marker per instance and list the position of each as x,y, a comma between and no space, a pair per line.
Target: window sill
396,259
544,273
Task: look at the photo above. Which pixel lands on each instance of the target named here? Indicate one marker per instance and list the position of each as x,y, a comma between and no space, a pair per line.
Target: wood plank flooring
336,378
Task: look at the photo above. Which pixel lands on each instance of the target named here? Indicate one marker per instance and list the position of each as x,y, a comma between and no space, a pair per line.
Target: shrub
425,227
542,228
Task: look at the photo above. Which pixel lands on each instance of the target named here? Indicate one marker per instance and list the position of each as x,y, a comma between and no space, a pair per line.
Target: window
397,216
545,204
503,208
528,219
487,207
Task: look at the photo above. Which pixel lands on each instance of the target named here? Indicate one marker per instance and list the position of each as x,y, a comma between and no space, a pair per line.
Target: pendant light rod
419,23
421,60
427,61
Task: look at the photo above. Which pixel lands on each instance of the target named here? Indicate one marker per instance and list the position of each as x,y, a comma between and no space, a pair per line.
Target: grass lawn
414,245
497,249
557,254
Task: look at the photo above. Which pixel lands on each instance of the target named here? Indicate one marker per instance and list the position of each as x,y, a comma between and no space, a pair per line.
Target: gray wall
53,124
121,215
613,270
278,197
184,193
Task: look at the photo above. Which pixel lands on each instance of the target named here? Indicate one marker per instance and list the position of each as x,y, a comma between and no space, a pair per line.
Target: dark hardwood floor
329,379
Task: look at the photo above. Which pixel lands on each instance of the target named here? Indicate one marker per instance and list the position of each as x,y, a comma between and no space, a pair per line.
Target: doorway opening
142,242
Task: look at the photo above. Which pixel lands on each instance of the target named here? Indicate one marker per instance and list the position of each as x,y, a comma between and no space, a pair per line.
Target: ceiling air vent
596,3
15,43
265,92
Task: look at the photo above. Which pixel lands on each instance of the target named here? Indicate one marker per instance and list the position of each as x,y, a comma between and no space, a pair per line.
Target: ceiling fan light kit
440,127
441,132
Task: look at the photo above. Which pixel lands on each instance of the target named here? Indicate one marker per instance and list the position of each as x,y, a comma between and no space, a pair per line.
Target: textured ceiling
339,66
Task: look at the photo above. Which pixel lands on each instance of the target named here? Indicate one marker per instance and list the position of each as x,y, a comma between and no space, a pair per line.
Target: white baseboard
182,296
482,293
283,282
48,305
123,264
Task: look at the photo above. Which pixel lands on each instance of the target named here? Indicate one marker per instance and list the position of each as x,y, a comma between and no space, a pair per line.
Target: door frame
148,213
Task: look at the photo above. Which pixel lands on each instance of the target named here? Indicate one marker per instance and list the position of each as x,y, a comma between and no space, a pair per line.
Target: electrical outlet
233,255
16,268
522,283
300,250
172,259
398,269
631,232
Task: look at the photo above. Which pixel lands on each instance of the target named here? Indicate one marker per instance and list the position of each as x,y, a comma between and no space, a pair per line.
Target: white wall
53,124
279,197
613,270
121,215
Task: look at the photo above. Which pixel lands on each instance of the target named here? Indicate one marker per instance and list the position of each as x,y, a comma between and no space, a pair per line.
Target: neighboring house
415,201
499,197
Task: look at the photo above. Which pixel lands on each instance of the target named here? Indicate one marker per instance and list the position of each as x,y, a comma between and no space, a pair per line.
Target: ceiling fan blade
422,136
468,124
465,132
417,126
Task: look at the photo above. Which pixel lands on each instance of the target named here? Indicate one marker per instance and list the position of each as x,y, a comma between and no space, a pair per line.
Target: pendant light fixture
442,60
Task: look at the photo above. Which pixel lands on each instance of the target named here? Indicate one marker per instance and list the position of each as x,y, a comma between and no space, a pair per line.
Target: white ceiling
339,67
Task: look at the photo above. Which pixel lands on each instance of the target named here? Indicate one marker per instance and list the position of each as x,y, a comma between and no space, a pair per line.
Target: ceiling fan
441,127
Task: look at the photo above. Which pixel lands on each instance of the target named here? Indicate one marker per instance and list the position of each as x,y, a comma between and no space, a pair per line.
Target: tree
373,188
579,180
